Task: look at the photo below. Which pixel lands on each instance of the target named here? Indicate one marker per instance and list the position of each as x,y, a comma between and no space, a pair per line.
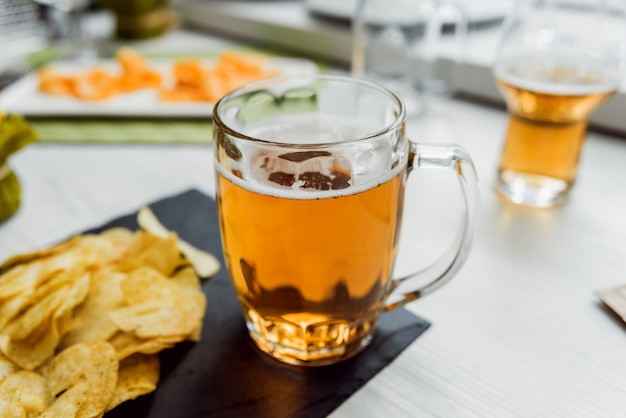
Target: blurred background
35,31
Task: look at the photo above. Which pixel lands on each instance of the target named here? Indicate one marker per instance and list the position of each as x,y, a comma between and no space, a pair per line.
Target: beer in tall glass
549,108
558,61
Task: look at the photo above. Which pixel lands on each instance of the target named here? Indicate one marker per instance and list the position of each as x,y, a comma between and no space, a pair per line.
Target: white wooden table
519,332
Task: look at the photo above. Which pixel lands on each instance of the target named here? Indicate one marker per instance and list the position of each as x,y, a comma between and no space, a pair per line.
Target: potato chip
18,287
32,338
24,394
195,335
138,375
95,300
205,264
186,279
32,351
145,284
126,344
34,255
53,282
88,251
6,367
83,253
86,373
20,279
10,308
23,325
152,251
75,295
120,238
69,404
160,318
56,298
157,307
91,319
41,275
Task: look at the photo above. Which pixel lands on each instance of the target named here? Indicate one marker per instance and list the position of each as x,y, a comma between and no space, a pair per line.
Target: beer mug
557,62
399,44
311,173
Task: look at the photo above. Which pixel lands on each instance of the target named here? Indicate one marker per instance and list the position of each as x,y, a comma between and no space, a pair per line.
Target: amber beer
310,267
549,109
310,182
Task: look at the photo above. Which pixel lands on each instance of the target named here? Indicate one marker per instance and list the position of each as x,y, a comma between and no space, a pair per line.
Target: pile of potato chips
81,322
190,79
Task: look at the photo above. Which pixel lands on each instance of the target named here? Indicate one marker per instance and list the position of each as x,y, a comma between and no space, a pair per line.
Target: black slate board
225,375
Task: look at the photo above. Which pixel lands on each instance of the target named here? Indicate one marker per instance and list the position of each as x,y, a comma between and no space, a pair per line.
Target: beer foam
562,75
308,128
341,166
296,193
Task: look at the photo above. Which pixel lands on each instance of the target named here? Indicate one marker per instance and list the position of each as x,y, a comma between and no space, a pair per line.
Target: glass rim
258,86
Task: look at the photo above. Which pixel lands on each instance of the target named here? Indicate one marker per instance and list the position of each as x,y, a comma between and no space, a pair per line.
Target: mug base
532,189
313,344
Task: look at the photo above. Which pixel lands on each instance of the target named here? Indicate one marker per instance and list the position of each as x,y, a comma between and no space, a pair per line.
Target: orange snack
240,64
238,69
188,78
188,72
54,84
192,82
95,85
136,73
214,86
232,70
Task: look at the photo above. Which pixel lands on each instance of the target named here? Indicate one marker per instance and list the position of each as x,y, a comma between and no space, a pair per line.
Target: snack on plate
136,72
190,80
195,83
81,322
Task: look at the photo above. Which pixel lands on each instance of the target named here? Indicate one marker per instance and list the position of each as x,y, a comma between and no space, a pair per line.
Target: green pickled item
15,134
9,194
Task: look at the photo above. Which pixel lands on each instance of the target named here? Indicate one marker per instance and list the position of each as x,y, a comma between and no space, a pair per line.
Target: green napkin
119,131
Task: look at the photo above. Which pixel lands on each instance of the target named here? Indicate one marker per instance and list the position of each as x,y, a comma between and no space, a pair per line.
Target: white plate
23,97
477,11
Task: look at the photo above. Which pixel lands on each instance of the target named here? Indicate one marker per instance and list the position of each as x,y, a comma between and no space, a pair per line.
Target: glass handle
454,158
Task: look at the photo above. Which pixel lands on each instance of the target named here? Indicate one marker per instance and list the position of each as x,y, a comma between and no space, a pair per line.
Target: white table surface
518,333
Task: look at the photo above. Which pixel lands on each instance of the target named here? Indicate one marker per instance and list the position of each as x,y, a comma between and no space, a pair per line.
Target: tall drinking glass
75,44
400,44
311,173
558,61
